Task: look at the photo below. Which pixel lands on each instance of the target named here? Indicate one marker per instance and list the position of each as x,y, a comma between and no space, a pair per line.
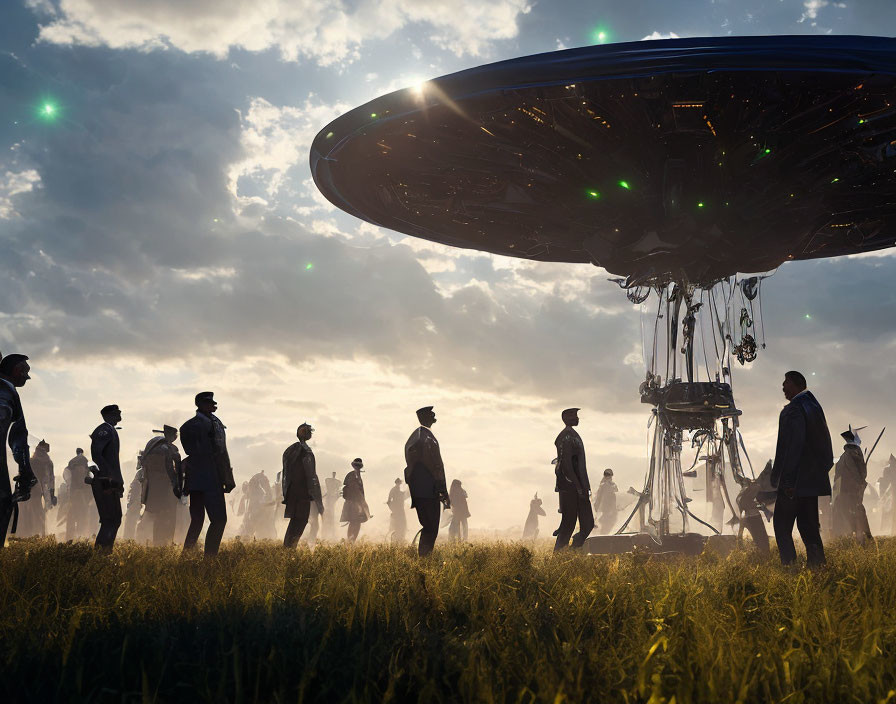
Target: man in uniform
803,457
208,474
301,486
14,370
334,491
108,484
573,486
33,513
425,476
78,501
850,476
161,490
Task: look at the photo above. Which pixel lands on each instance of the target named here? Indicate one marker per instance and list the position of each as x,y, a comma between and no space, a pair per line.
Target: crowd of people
171,496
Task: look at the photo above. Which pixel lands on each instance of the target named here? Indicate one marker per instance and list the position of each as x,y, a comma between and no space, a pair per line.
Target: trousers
297,523
573,508
108,506
428,513
804,511
202,502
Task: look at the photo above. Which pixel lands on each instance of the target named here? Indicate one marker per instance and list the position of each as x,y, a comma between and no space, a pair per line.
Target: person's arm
792,430
312,482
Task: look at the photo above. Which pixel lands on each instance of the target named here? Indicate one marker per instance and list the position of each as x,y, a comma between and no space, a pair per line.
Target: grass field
482,622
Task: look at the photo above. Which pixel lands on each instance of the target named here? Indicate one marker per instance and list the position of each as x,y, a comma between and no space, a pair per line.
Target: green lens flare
309,266
625,185
47,111
700,204
594,194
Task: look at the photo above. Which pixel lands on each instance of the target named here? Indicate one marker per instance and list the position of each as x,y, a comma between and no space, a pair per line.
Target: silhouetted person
749,502
572,485
605,503
354,508
334,491
14,370
301,486
33,513
398,520
77,504
161,487
460,511
108,484
530,529
258,522
425,476
207,473
850,474
887,492
803,458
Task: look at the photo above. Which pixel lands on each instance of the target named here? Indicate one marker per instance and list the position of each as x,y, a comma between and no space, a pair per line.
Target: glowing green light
329,135
768,151
601,35
700,204
594,194
835,180
309,266
625,185
47,111
808,317
373,114
862,122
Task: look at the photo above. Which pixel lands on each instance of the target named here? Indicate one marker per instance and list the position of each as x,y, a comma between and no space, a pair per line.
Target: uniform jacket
74,474
207,467
459,507
42,466
804,454
300,482
161,468
605,501
12,425
424,472
572,474
354,509
104,449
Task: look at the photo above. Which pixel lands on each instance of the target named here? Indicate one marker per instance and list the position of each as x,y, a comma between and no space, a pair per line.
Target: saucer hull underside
682,159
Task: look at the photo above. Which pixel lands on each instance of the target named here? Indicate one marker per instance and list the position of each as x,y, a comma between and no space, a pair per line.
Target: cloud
326,32
660,35
12,184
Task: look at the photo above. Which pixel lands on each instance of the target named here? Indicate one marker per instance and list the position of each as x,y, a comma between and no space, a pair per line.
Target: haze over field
160,235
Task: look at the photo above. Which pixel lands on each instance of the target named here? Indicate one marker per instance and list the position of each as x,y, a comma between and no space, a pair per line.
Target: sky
160,235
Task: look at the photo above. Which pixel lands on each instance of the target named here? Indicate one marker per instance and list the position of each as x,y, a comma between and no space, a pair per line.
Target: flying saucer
684,159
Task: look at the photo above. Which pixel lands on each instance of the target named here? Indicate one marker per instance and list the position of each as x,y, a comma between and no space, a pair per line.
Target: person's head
111,414
333,476
43,445
794,383
15,368
304,431
169,432
205,402
426,416
357,464
570,416
397,481
455,484
79,450
608,473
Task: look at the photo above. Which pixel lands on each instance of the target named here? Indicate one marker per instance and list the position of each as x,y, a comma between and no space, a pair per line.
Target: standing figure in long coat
460,512
530,529
207,473
424,474
161,487
850,475
33,513
605,503
572,486
398,520
77,503
301,486
331,496
354,509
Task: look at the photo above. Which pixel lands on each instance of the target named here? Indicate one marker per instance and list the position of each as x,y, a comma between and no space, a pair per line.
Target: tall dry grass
485,622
